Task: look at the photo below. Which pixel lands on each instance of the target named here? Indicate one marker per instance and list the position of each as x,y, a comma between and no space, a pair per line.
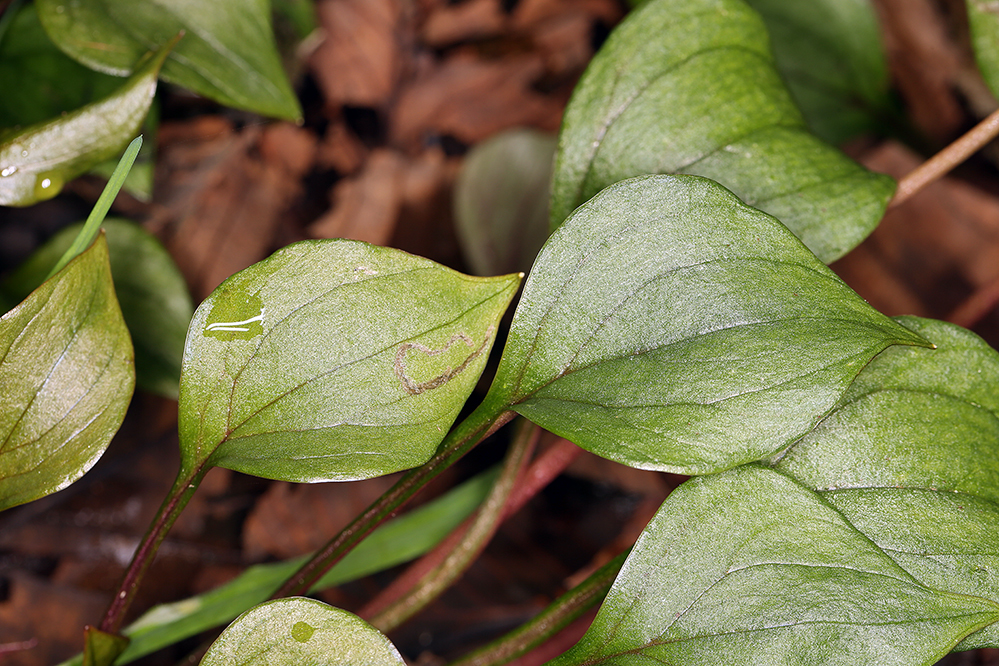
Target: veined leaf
748,567
668,326
334,360
228,52
67,377
35,162
689,86
983,21
295,631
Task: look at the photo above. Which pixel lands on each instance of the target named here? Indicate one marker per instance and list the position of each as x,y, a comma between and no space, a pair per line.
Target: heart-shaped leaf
983,21
150,289
690,86
67,376
748,567
666,325
35,162
294,631
909,457
228,52
334,360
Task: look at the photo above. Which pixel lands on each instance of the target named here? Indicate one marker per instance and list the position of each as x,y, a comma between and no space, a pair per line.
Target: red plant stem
178,497
479,425
948,158
542,472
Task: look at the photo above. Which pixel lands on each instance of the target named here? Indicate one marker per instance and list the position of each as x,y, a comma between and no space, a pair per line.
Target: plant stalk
948,158
420,590
559,614
481,423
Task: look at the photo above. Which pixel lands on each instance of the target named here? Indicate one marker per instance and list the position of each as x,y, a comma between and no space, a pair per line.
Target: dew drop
302,631
9,171
24,153
47,185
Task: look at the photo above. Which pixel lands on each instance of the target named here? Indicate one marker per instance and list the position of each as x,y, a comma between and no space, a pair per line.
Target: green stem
419,590
559,614
480,424
178,497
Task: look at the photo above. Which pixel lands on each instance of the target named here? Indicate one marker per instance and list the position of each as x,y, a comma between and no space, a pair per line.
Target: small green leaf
227,54
829,54
101,647
67,377
983,20
748,567
35,162
501,200
334,360
294,631
668,326
690,86
150,289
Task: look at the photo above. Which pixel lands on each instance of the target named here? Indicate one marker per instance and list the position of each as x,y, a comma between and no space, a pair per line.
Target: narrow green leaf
501,200
334,360
227,54
35,162
295,631
67,377
983,20
668,326
748,567
830,55
151,291
690,86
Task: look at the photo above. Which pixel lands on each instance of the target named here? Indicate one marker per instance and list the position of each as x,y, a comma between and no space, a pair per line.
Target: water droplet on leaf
47,185
302,631
9,171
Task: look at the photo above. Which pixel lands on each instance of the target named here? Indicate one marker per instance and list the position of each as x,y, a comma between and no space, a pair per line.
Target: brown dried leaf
474,19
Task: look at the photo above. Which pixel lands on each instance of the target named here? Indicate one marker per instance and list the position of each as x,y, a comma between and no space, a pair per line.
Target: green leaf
101,647
67,377
150,289
35,162
47,82
830,55
334,360
668,326
298,631
501,200
748,567
227,54
690,86
909,458
983,21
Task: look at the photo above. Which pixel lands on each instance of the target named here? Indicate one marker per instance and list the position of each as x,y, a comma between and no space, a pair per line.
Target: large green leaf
829,53
690,86
911,458
748,567
36,161
227,53
334,360
668,326
295,631
67,377
150,289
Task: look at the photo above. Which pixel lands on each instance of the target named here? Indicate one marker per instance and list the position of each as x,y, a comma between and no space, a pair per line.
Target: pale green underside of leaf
150,290
983,20
334,360
36,161
748,567
295,631
227,54
67,376
690,87
668,326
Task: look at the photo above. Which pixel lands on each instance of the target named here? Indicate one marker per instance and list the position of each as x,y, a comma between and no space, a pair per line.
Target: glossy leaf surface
294,631
690,86
829,52
36,161
909,457
501,200
668,326
227,54
150,289
748,567
334,360
67,376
